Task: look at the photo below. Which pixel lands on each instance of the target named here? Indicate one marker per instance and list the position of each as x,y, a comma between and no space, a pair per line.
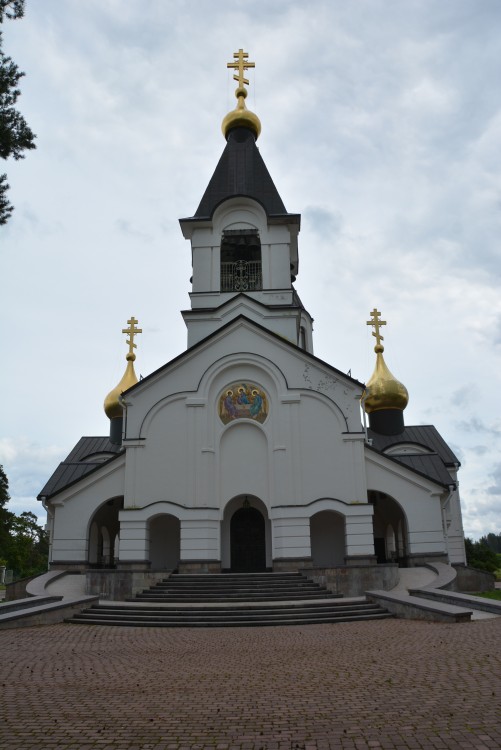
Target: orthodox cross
131,331
374,321
241,65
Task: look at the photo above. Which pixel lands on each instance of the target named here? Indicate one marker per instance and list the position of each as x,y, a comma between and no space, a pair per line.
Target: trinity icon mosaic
243,401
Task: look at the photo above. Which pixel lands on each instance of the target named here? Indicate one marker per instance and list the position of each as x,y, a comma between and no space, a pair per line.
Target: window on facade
241,261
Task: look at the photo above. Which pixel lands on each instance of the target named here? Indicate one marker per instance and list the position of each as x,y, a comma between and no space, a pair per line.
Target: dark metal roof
241,171
85,457
432,465
425,435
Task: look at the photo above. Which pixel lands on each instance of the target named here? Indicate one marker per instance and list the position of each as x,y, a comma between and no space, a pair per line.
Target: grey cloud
479,450
474,424
497,332
125,227
322,221
495,489
463,395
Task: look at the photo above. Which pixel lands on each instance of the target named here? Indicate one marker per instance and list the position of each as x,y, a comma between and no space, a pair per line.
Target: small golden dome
241,117
112,405
384,391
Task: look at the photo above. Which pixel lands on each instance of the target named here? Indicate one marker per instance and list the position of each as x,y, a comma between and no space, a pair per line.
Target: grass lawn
496,594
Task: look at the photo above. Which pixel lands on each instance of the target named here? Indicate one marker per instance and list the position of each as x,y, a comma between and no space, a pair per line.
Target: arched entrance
103,531
247,540
390,528
242,531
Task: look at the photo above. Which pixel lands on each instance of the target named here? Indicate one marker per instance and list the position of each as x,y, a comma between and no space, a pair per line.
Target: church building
247,452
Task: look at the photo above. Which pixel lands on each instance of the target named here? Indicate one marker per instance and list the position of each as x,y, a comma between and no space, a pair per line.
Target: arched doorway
390,528
247,540
103,531
327,538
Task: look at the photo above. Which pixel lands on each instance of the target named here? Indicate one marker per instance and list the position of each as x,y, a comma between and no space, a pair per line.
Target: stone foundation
291,564
357,560
355,580
17,589
70,567
471,579
134,565
117,585
416,560
199,566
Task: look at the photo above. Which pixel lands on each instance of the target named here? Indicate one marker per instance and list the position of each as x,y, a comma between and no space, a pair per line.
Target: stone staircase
232,600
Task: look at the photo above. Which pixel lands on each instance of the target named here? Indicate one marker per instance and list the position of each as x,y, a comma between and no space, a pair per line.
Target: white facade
247,452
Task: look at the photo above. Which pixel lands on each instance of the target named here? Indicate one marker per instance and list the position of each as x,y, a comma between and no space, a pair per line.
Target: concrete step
231,589
172,583
232,600
252,610
234,587
297,596
222,619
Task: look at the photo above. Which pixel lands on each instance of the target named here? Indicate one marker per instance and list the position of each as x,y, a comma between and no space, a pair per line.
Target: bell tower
243,241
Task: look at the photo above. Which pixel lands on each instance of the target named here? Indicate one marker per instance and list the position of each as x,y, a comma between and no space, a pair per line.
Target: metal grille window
241,276
241,261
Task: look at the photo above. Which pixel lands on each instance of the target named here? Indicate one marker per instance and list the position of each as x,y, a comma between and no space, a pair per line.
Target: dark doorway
380,550
248,545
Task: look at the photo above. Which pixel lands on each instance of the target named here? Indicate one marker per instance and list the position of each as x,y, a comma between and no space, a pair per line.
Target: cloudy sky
381,126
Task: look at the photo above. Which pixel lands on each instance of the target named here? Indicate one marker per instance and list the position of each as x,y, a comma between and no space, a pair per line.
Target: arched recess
327,538
165,542
103,531
246,536
390,528
244,461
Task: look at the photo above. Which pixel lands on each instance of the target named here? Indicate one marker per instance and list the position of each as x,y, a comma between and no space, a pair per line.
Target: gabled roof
241,171
259,327
88,455
432,465
426,435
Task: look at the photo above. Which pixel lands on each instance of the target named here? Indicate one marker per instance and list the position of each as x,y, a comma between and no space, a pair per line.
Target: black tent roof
241,171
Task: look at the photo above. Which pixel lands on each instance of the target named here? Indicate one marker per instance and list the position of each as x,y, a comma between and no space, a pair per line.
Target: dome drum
387,421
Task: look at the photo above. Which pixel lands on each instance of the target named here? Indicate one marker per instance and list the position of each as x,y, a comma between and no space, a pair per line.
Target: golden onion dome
384,391
241,117
112,405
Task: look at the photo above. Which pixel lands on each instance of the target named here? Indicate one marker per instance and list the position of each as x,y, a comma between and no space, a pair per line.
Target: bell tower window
241,261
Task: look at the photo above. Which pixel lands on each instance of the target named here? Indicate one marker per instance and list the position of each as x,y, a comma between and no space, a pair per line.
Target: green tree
24,545
480,556
30,546
15,135
6,516
493,541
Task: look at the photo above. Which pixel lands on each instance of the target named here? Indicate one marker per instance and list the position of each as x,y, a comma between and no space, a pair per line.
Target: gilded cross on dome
132,331
376,323
241,65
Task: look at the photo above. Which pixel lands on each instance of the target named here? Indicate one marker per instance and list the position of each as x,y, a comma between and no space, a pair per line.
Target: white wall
74,508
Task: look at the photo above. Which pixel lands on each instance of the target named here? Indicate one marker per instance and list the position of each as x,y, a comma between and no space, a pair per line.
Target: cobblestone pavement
390,684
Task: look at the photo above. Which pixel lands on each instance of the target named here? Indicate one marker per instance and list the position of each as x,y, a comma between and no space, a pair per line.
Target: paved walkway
391,684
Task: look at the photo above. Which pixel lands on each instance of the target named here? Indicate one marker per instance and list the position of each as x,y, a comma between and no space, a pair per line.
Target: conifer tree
15,135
